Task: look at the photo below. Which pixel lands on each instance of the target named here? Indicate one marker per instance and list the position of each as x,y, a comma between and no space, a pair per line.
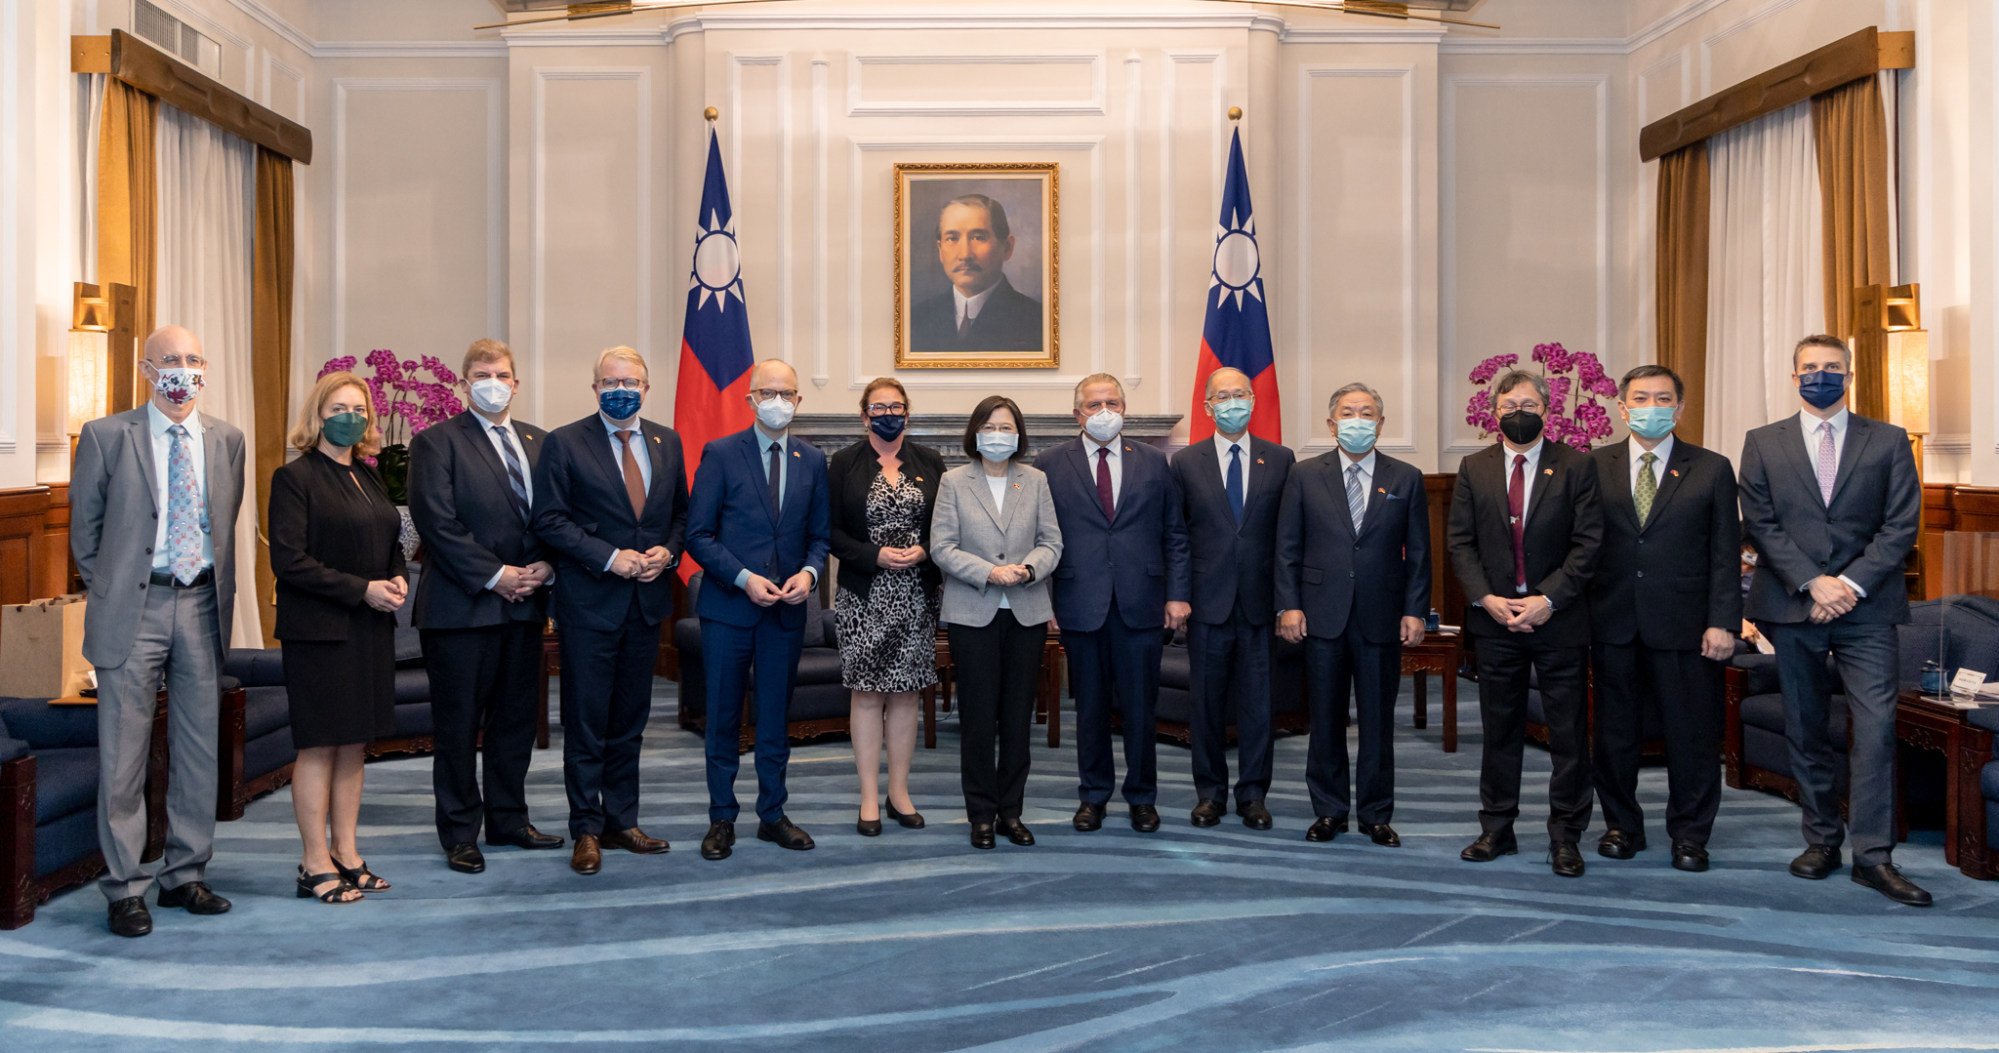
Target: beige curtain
1682,278
270,347
128,220
1851,127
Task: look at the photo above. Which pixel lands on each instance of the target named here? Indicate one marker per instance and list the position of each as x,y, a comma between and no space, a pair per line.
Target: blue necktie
187,516
516,478
1234,483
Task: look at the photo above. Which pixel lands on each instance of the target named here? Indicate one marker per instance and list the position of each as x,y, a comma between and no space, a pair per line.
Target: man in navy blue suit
1232,486
610,498
1124,575
760,527
1353,584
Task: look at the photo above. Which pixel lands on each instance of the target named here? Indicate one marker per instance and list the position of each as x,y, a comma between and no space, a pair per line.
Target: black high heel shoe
868,827
361,877
907,820
336,895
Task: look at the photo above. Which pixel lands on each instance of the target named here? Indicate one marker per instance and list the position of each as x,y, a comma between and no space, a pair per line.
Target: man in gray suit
1831,501
153,502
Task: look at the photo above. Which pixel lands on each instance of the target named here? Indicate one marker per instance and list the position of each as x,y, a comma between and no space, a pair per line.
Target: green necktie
1646,487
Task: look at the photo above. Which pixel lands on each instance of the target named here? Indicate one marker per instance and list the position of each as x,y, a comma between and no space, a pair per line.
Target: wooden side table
1440,653
1938,727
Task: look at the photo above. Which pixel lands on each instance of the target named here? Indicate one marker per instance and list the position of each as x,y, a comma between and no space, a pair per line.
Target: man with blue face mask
1353,585
1231,485
1664,605
1832,501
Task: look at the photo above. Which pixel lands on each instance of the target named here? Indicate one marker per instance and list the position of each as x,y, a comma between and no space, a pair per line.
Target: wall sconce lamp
101,344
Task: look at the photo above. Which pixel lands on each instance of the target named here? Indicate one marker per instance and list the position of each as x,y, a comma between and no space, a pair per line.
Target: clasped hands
1520,614
1008,574
1291,628
1831,599
763,592
641,566
893,558
518,583
387,595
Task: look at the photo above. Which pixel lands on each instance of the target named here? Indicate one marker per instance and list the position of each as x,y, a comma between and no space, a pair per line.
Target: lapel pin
1547,471
794,453
1380,489
1675,472
1016,486
919,478
1259,460
655,440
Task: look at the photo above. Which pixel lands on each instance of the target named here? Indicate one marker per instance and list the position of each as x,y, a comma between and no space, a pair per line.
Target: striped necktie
1356,497
517,482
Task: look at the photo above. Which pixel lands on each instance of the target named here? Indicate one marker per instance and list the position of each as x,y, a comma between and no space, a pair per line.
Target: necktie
964,321
1356,497
1233,484
184,511
517,481
1516,516
776,466
1646,488
635,483
1104,494
1828,462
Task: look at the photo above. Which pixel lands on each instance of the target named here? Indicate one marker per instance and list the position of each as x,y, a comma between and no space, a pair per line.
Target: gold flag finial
1235,113
711,113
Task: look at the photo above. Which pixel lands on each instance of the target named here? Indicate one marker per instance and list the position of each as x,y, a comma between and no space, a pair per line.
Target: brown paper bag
41,648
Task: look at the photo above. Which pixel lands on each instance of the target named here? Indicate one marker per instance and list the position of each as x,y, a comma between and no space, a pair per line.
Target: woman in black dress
338,560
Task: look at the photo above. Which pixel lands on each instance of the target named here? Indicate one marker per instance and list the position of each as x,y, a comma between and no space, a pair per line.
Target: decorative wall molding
276,23
822,179
1169,281
410,49
1093,105
1950,443
275,70
1708,42
1134,83
737,62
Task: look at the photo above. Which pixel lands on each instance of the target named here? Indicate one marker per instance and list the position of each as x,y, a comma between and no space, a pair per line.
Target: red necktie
1104,497
1516,516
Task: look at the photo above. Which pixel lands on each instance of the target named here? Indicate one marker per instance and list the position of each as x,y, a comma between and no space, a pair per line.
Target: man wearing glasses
1831,501
1524,531
760,526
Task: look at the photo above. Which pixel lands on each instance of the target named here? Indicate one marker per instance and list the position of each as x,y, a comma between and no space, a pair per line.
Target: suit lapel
212,454
1858,431
1544,482
1334,475
794,482
1377,492
474,428
607,462
1212,488
1670,473
982,491
753,451
142,445
1792,442
1621,496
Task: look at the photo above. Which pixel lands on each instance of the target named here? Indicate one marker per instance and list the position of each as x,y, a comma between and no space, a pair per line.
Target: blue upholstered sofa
819,702
1176,699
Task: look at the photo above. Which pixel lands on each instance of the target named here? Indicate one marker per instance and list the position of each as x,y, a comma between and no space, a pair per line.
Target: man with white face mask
153,501
1124,574
481,604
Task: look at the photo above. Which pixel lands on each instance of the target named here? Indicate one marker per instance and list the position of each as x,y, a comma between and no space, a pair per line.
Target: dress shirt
157,424
1366,473
1222,448
968,307
1810,422
1116,447
1662,451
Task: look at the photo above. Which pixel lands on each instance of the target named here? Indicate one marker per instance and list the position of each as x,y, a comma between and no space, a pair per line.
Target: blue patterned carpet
1186,940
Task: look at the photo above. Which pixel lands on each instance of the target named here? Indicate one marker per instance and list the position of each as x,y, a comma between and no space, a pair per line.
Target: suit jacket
1564,529
1010,321
582,515
1865,533
849,473
322,563
1232,564
462,504
1139,558
1365,581
970,536
1666,582
730,527
114,516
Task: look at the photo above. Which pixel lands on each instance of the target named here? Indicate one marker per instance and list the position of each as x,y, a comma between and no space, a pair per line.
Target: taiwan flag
715,357
1237,330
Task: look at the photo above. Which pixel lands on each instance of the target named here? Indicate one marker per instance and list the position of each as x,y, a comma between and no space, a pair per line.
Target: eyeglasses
1100,405
1526,406
183,362
1224,396
767,394
894,409
627,384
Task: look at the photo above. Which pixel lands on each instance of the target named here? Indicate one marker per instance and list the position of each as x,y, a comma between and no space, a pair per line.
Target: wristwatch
1030,572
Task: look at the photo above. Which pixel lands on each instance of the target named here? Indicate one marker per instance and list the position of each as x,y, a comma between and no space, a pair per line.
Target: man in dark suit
481,606
1831,500
1124,575
1231,487
1525,527
760,527
1665,604
610,500
983,311
1355,594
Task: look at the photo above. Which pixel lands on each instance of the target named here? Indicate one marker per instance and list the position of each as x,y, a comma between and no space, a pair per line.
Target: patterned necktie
1646,488
516,478
1234,483
1356,497
1828,462
1105,495
1516,516
184,509
776,479
635,481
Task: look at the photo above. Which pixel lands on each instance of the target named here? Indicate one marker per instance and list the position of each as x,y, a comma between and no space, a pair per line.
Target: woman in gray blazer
993,534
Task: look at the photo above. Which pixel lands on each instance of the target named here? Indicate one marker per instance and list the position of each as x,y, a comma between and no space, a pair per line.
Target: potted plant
410,395
1576,380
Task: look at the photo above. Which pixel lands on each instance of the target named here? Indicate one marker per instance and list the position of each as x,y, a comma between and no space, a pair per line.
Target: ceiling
525,6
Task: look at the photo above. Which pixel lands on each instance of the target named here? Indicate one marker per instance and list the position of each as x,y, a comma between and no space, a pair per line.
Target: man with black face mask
1831,501
1524,530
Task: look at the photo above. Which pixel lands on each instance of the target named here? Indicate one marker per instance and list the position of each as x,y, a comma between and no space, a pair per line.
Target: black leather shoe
129,917
982,835
1324,829
465,858
910,820
1381,834
1207,813
1616,844
525,837
1089,817
1490,846
1017,832
1564,859
1144,818
1815,863
1254,815
868,827
784,834
195,897
1887,880
1689,856
720,840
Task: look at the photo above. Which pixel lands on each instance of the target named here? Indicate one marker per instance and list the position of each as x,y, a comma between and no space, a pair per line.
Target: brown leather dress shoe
586,858
633,840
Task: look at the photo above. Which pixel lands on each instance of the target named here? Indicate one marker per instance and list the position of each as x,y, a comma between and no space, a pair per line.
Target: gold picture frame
1005,280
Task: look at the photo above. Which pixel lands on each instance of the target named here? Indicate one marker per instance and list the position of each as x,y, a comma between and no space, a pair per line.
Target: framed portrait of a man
976,266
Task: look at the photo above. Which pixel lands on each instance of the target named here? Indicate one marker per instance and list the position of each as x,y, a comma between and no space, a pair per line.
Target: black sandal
362,878
308,882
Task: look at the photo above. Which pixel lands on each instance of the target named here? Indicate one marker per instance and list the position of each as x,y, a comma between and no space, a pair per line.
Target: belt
166,579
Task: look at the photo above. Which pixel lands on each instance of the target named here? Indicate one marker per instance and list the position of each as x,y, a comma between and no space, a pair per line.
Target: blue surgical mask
1822,389
998,445
343,429
1232,415
1651,422
887,426
1356,434
619,404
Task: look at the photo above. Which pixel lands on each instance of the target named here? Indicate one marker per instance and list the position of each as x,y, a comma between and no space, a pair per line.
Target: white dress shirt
157,424
1116,447
1222,448
1366,474
1662,451
968,307
1533,455
997,484
1810,422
